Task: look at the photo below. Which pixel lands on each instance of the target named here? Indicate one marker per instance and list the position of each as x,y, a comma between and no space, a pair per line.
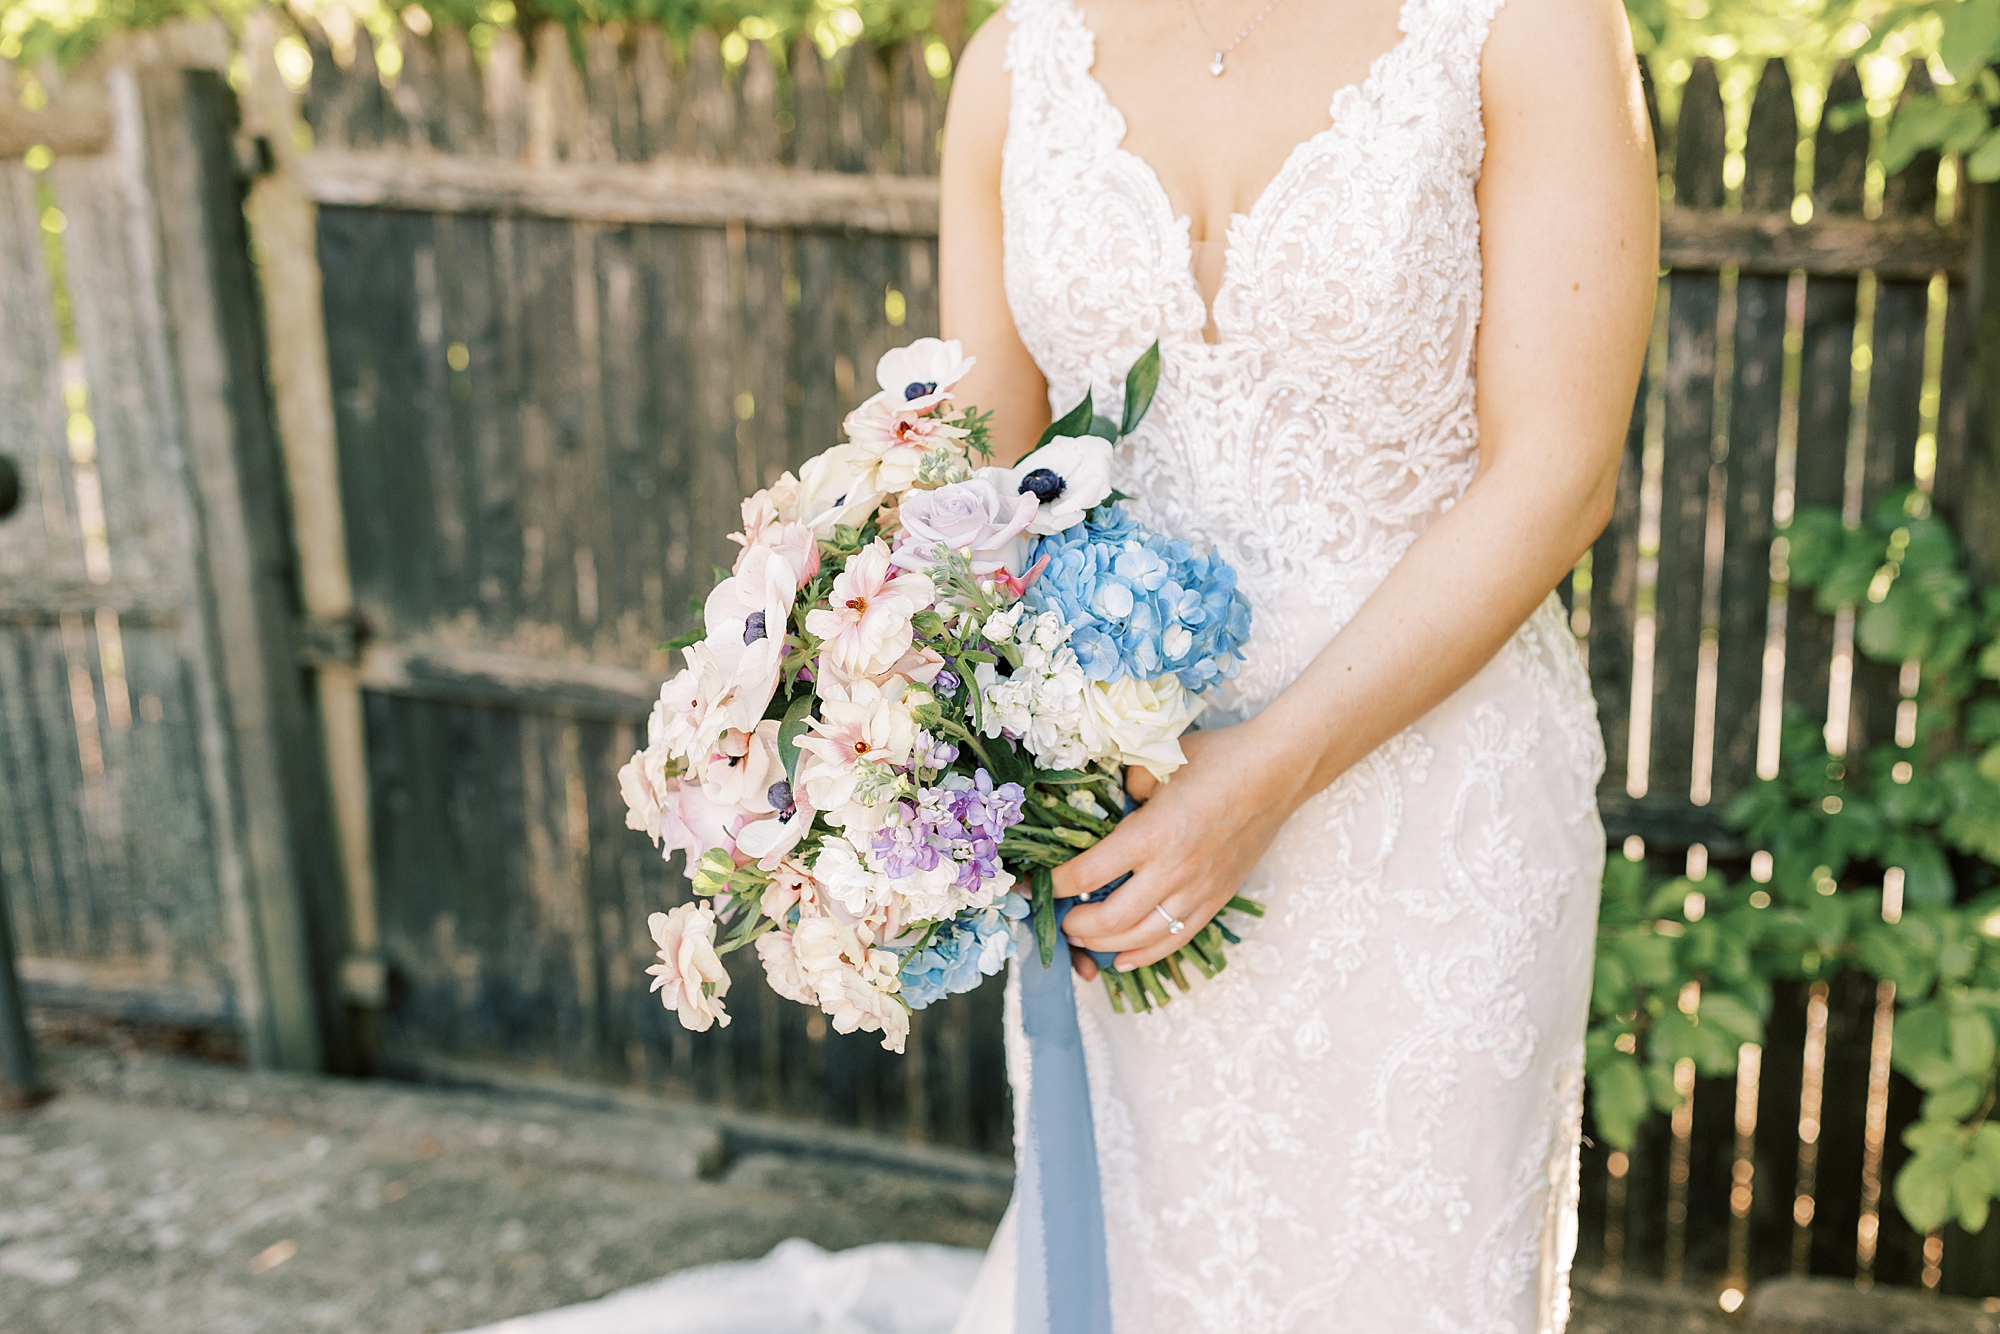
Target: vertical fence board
1692,310
1825,389
1756,406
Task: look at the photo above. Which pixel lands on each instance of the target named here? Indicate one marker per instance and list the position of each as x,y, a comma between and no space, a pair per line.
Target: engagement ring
1174,924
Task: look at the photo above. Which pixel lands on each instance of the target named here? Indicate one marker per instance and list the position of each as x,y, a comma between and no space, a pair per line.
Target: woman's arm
1569,241
972,291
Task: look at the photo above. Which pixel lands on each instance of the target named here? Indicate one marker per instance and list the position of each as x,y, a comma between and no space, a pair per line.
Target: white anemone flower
1070,476
918,377
747,616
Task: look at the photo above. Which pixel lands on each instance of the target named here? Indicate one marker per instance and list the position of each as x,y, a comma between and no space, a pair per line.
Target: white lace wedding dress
1369,1123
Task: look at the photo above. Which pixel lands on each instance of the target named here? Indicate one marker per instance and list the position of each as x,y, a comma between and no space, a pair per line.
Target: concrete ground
175,1196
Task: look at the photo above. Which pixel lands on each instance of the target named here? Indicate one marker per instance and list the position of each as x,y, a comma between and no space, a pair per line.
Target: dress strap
1457,30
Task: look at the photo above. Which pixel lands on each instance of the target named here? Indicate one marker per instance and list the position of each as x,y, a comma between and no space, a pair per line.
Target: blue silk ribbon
1062,1278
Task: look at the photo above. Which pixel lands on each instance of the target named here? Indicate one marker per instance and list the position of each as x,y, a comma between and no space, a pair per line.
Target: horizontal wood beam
122,991
1915,248
686,193
47,601
504,680
77,122
692,194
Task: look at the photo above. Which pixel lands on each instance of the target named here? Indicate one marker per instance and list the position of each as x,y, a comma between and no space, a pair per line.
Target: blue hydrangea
1140,604
961,952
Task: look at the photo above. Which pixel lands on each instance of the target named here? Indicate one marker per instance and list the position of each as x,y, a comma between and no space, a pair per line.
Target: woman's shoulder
980,91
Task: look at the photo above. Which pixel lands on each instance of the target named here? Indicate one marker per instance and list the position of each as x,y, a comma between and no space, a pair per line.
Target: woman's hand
1189,847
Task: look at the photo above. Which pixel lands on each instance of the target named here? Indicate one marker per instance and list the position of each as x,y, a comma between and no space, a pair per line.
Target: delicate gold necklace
1215,66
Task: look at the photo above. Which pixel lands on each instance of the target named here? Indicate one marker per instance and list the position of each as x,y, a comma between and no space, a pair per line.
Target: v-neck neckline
1366,89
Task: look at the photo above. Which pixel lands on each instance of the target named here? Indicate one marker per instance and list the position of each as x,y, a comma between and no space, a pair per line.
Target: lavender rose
974,517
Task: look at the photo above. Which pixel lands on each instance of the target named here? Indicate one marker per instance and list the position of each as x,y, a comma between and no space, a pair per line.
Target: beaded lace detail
1369,1122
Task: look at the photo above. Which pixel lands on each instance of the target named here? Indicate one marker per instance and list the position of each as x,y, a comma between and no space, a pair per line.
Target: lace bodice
1332,421
1387,1080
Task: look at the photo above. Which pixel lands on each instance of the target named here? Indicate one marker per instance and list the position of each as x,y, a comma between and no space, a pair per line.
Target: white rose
1070,476
1139,722
689,976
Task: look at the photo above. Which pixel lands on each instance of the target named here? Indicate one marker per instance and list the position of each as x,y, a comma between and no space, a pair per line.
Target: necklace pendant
1215,65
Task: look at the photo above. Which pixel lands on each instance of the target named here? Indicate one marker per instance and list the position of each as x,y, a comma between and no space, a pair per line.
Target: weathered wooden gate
571,320
151,822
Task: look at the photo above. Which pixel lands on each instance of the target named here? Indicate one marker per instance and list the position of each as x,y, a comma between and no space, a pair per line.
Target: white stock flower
1001,625
920,376
1129,721
1042,704
1070,476
689,976
850,881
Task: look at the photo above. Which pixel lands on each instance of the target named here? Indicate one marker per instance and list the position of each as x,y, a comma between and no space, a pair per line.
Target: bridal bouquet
918,686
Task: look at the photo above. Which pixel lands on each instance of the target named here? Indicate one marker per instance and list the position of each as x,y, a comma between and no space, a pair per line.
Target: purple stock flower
962,820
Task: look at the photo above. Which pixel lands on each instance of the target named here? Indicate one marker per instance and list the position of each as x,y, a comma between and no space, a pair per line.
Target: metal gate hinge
329,642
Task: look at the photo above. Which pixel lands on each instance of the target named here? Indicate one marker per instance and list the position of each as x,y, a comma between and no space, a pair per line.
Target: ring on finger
1174,924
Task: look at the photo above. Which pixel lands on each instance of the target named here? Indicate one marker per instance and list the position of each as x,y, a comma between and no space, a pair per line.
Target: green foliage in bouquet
1685,967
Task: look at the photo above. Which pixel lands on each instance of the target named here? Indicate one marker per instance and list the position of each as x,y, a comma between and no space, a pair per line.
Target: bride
1401,266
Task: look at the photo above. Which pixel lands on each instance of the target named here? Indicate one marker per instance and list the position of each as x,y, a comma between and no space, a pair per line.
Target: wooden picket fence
536,319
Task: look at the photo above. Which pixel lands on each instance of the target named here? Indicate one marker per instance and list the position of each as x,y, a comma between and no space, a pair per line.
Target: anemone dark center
755,627
780,797
918,388
1045,484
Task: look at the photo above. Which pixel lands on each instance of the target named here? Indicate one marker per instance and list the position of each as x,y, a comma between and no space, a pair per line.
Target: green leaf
1972,1044
1971,32
1104,429
798,719
1923,1187
1611,985
1971,1195
1897,628
1618,1101
1922,1046
1648,957
1042,882
1985,1148
1140,383
1955,1101
1815,536
1927,875
1736,1020
1660,1086
1074,422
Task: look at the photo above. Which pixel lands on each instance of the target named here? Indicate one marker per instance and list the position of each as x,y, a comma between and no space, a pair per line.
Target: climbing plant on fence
1886,864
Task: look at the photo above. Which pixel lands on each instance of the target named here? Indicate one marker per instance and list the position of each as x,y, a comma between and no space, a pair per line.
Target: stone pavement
175,1196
